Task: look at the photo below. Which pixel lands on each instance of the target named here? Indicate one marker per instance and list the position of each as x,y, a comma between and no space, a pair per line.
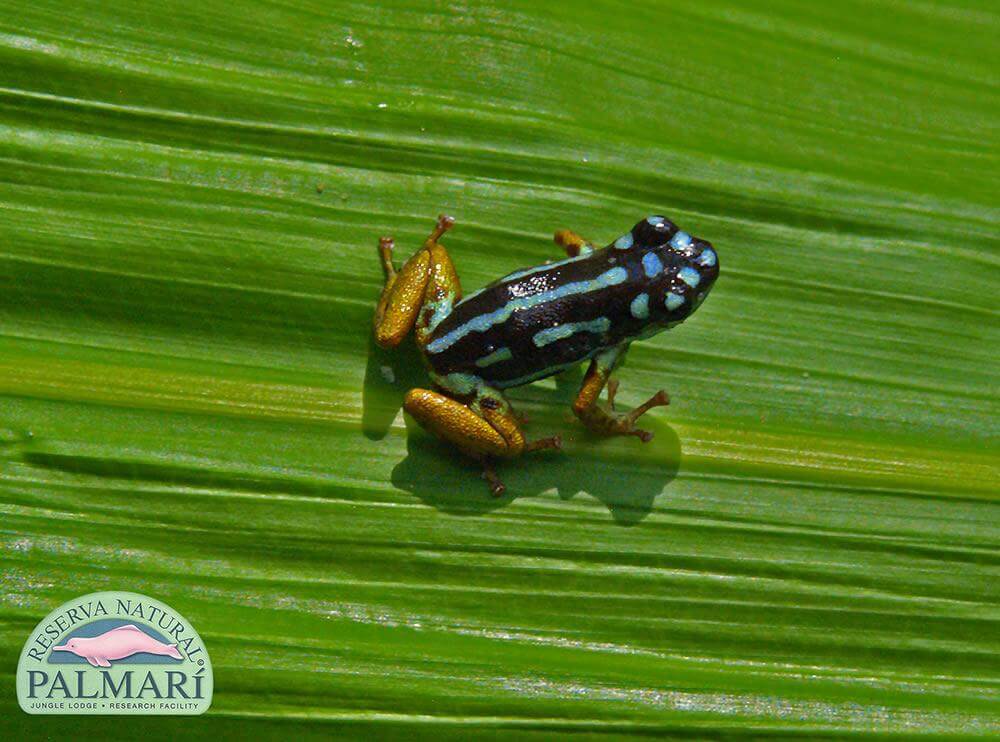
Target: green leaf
192,407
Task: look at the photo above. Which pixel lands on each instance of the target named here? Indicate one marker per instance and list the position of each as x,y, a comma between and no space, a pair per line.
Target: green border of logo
133,673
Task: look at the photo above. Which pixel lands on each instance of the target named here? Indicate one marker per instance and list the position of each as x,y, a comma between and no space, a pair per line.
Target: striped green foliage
191,406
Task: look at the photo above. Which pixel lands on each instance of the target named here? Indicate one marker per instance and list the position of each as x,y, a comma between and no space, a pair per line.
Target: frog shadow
625,475
627,485
389,374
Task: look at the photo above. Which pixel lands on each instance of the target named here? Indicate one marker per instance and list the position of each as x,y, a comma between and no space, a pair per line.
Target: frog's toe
625,424
643,435
660,399
444,223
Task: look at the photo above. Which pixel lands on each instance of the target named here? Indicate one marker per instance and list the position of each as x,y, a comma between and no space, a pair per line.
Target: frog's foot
625,424
586,406
606,423
572,243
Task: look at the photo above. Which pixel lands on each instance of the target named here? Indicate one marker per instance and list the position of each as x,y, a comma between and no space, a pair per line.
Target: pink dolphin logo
116,644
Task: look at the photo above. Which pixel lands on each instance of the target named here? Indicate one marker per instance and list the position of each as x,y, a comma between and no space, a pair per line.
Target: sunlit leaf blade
192,407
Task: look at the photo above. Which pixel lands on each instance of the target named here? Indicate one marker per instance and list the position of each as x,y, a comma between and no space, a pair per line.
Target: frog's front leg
420,293
599,420
484,428
573,243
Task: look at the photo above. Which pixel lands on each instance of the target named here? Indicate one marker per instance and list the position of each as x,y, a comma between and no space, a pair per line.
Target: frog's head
681,268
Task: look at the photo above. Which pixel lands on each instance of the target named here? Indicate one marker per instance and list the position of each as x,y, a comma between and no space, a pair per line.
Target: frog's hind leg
573,243
586,407
484,428
420,293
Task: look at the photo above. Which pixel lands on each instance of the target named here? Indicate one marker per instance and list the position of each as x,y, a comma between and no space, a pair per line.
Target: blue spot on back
640,306
651,264
707,258
673,301
689,276
624,242
680,241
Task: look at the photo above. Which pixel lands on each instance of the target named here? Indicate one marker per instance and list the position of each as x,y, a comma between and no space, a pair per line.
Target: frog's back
533,323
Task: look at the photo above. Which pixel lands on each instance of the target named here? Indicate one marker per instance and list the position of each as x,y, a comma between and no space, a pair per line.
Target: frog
534,323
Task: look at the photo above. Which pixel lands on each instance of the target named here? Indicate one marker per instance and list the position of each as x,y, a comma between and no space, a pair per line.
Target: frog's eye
655,230
652,231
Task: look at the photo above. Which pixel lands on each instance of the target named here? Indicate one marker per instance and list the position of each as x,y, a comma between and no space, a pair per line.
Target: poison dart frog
534,323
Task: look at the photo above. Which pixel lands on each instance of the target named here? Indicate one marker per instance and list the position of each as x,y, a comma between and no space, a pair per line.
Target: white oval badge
114,653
